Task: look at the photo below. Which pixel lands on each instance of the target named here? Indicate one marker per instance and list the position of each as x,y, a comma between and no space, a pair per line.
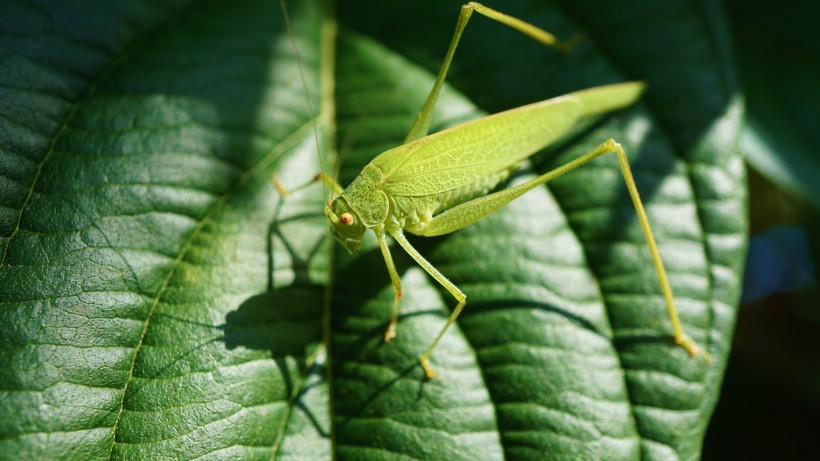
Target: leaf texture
160,300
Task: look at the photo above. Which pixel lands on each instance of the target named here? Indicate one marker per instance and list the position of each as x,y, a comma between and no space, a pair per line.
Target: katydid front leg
324,177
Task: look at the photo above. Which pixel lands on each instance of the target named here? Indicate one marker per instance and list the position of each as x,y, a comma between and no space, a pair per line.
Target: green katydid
436,184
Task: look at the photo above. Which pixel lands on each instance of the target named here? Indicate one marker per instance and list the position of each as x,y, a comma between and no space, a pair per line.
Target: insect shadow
285,321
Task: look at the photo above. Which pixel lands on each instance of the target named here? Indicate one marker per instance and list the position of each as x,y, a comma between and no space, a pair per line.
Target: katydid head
345,225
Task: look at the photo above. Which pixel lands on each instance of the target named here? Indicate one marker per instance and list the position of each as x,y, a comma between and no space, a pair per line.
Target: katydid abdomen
406,187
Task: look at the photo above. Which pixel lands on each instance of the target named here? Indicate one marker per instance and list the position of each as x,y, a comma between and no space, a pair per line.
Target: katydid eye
346,218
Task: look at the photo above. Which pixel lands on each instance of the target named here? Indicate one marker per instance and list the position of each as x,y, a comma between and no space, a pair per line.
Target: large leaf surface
160,300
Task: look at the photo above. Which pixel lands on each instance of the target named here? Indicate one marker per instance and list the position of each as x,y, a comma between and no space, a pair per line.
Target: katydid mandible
436,184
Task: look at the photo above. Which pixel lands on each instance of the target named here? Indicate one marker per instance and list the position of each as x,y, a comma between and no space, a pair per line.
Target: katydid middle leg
398,235
421,126
395,280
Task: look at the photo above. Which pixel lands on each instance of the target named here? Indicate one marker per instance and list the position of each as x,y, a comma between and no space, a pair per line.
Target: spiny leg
421,126
610,146
447,284
467,213
390,333
681,338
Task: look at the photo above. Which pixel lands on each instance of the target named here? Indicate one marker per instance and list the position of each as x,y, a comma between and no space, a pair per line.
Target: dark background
770,403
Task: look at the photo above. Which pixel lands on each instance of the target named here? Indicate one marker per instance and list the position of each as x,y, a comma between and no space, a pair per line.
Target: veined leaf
160,300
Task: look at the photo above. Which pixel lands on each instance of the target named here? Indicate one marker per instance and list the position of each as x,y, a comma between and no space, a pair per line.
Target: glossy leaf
160,300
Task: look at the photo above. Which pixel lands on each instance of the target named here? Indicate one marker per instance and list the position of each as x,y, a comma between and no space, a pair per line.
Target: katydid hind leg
681,339
469,212
611,146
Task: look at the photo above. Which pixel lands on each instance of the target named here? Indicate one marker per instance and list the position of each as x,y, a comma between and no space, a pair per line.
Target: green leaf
780,69
160,300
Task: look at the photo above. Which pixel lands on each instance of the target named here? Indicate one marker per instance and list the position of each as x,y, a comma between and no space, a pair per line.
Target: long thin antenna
327,110
311,113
